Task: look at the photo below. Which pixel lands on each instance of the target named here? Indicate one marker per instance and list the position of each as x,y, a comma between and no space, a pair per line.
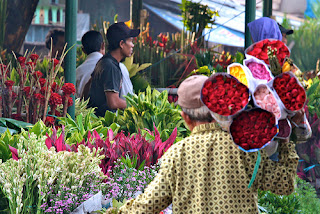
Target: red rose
204,91
208,84
245,146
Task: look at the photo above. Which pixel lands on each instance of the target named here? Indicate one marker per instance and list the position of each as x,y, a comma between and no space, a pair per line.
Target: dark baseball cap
120,31
284,30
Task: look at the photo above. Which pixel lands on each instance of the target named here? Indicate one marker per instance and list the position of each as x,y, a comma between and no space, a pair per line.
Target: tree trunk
20,15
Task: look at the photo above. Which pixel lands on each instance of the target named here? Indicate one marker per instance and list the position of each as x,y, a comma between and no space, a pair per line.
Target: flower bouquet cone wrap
264,97
290,92
260,50
225,97
241,73
253,130
259,72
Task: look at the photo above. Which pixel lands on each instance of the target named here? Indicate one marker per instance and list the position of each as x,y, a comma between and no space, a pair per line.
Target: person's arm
112,87
158,195
114,101
276,176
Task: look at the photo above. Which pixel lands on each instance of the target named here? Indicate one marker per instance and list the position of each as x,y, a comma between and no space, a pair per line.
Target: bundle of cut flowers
31,91
291,93
260,50
224,94
253,129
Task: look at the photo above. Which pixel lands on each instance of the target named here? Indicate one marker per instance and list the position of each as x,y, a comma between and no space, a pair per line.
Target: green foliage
313,96
196,16
131,162
134,68
305,52
14,126
275,204
81,56
146,110
77,130
302,200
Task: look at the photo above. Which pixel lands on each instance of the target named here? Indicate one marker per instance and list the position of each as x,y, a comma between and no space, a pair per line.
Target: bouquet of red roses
290,92
225,96
253,129
260,50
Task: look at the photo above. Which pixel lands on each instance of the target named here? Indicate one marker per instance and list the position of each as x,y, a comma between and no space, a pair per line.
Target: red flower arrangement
291,93
260,50
224,95
9,84
253,129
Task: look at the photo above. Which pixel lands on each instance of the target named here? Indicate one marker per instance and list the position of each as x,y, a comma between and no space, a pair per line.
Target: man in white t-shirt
93,46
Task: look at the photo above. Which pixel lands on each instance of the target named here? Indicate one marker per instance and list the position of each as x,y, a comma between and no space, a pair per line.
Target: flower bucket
260,49
225,97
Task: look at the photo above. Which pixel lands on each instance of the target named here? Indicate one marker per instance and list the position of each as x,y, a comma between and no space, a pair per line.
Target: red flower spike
68,89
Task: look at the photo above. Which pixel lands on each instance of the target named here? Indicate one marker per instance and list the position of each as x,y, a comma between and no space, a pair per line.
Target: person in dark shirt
106,79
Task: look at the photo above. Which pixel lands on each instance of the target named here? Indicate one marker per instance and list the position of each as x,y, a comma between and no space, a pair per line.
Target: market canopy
229,27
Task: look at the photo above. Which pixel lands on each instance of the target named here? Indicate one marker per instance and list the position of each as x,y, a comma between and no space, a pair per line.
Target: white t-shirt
84,71
127,87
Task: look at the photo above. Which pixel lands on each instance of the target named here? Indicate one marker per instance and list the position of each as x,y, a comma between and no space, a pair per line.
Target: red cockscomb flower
9,84
49,121
21,60
14,95
37,74
68,89
42,81
70,100
34,57
55,62
38,96
27,91
55,99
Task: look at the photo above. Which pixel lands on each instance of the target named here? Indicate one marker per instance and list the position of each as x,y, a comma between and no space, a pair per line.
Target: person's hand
298,117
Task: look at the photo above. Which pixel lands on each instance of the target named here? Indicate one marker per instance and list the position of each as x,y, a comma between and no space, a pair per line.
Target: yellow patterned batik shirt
208,173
